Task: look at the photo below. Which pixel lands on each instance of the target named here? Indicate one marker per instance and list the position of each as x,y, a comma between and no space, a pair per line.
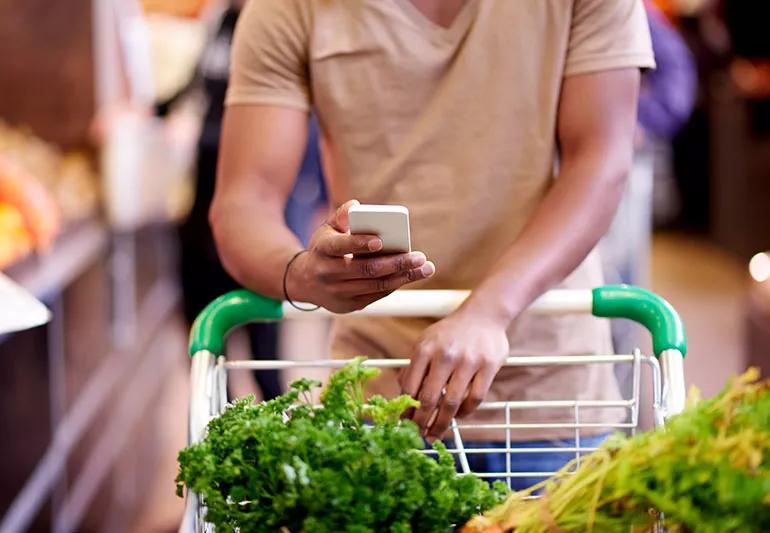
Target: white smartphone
389,222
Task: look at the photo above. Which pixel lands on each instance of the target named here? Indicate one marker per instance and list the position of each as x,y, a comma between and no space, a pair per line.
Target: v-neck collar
457,27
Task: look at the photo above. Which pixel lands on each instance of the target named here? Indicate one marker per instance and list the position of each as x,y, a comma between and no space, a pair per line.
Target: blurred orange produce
177,8
15,240
26,194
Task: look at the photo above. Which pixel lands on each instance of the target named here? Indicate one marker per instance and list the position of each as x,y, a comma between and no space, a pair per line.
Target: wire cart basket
208,394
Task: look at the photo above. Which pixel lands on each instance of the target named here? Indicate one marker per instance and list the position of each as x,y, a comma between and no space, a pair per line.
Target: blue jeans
525,462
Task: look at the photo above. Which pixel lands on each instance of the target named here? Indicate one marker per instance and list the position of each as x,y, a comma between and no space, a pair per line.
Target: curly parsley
285,464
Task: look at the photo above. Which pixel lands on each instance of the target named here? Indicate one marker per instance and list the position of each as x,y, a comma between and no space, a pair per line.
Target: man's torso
458,123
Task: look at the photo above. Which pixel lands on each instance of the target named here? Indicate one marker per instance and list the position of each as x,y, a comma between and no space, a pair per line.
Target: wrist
294,282
492,304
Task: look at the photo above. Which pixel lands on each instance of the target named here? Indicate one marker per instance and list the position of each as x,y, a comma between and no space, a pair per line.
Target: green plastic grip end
226,313
646,308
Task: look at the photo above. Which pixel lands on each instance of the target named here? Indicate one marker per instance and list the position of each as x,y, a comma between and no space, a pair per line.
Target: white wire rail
577,415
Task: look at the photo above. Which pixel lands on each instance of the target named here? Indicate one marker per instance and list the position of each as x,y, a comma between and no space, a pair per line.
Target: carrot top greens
706,471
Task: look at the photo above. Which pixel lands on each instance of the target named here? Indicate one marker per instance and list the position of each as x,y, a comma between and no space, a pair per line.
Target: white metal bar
509,450
658,409
547,425
577,433
221,385
485,475
200,394
554,404
545,404
674,393
508,442
460,448
636,379
190,512
400,363
437,303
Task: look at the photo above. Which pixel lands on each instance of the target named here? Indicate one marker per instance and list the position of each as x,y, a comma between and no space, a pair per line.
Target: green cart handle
645,308
241,307
228,312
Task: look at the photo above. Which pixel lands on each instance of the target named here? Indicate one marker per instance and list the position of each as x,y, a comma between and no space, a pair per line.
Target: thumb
339,220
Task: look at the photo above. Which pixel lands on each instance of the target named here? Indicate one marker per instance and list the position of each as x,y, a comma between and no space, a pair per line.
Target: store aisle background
705,284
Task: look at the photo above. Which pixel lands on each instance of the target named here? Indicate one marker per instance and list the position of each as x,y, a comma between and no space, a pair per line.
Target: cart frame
208,380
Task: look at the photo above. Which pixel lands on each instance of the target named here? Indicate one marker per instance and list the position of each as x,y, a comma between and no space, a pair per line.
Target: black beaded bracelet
285,290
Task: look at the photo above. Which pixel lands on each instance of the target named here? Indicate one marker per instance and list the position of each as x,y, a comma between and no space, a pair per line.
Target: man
454,108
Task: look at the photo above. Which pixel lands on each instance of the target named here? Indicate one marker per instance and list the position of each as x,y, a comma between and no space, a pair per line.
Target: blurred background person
666,99
202,275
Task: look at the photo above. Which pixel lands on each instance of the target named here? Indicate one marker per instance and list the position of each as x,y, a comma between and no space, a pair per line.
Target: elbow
216,221
216,218
605,167
618,164
618,177
614,184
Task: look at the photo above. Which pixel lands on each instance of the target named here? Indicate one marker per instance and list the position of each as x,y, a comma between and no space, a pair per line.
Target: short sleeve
608,34
269,56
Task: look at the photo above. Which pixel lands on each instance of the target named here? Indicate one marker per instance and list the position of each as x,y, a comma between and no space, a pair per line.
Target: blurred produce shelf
46,275
90,376
89,182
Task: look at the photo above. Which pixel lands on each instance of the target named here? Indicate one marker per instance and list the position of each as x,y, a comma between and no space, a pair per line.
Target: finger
339,220
478,390
442,366
377,267
412,376
387,284
402,374
453,398
336,244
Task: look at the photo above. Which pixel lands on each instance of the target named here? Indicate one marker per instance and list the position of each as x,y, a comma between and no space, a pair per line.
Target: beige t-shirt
458,124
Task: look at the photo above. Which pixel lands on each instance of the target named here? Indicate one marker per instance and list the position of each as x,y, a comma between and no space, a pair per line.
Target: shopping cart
208,396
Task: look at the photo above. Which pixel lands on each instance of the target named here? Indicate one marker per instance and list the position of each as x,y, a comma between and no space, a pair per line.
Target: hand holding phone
344,271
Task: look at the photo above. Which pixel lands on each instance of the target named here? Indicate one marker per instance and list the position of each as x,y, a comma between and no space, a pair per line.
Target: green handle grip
646,308
226,313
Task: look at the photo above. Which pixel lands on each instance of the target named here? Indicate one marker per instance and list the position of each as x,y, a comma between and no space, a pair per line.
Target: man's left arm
462,353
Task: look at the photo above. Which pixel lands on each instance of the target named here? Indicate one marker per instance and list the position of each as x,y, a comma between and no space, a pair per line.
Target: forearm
565,227
596,123
261,150
253,240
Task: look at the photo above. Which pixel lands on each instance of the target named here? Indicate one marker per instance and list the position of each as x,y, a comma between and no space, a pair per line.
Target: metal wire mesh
581,442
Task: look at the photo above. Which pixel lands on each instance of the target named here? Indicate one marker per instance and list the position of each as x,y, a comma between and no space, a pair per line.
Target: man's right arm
260,153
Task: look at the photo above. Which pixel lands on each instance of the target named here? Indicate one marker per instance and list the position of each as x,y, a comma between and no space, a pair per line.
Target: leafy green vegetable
707,471
287,464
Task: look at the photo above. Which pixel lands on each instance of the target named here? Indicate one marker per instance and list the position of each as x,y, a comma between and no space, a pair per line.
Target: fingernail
416,259
374,245
428,269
